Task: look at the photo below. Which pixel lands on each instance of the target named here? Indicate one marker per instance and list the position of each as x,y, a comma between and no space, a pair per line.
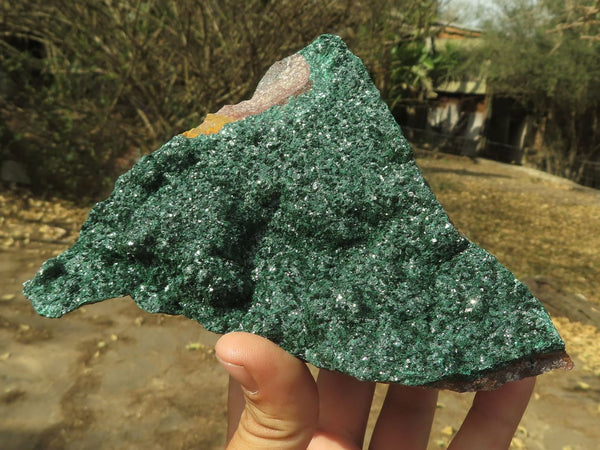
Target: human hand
274,403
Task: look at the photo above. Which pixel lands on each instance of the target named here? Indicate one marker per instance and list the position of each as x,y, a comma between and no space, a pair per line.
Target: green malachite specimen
308,223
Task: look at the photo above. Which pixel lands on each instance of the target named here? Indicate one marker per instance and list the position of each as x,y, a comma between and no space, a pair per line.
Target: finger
235,405
405,418
494,417
329,441
281,407
344,405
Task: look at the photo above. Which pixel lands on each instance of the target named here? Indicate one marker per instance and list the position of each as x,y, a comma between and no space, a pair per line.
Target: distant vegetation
545,55
88,86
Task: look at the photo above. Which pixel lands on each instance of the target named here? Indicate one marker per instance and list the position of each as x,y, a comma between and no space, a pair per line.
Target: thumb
281,400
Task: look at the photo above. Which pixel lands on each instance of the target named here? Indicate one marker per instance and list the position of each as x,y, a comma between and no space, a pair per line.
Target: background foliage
89,86
546,56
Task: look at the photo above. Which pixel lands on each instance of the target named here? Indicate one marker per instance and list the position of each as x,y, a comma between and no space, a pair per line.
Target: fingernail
241,375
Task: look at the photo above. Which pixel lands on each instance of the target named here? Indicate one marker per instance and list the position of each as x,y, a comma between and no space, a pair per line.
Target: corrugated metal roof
463,87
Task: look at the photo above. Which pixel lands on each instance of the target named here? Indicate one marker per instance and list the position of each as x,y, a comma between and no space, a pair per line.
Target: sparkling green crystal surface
311,225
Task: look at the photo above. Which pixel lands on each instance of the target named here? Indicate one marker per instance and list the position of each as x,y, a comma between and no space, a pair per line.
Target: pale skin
274,403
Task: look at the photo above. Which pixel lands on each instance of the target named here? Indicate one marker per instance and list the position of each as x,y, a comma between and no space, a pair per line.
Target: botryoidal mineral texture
300,215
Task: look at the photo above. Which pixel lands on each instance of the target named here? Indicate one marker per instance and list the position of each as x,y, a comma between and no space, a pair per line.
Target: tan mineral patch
211,125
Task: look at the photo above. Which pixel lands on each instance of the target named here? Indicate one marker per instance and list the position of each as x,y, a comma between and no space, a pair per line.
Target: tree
115,78
583,17
538,59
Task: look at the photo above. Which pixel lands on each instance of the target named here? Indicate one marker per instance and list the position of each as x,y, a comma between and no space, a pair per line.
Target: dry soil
110,376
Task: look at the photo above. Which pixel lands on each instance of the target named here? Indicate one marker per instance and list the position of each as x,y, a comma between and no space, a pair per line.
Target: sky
470,13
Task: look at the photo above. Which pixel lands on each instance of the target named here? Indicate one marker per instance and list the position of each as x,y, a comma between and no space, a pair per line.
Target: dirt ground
110,376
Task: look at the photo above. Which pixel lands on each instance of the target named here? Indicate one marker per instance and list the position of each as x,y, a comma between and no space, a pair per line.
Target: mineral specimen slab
300,215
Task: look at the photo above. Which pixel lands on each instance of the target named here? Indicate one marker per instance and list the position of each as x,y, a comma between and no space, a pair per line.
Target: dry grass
533,223
25,219
582,341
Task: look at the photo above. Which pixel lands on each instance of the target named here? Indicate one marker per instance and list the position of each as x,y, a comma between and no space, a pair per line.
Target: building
464,118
